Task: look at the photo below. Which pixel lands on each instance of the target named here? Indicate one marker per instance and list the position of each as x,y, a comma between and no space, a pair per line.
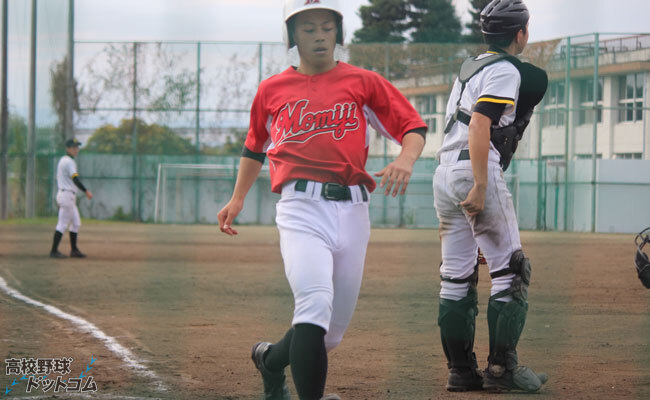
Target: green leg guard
457,321
505,322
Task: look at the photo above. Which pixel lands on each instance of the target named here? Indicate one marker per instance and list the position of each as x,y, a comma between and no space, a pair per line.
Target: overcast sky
260,20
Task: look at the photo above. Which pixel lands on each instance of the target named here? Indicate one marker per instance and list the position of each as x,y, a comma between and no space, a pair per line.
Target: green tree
232,147
152,139
58,95
384,21
475,35
433,21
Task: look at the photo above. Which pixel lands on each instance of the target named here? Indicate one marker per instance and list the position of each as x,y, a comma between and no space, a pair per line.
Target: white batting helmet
293,7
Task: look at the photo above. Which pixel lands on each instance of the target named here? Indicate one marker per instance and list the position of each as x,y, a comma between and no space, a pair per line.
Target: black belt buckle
334,191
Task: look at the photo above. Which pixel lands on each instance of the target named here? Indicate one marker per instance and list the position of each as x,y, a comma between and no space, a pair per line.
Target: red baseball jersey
316,127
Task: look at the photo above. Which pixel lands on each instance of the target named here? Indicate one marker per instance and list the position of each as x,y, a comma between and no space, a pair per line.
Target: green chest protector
534,82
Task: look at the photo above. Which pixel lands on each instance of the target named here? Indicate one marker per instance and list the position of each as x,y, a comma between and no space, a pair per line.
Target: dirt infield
189,302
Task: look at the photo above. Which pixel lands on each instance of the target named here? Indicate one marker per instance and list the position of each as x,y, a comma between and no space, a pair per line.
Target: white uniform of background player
69,184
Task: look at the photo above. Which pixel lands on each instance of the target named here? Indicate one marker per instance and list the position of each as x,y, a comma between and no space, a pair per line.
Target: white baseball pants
494,230
68,212
323,246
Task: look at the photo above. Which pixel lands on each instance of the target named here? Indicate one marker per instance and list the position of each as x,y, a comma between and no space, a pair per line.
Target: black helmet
503,17
641,259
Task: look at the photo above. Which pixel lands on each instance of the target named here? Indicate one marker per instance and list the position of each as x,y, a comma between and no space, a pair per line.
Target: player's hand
227,215
475,201
89,194
395,175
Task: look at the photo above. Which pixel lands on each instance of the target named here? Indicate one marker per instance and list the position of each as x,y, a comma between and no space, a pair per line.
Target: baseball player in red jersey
311,121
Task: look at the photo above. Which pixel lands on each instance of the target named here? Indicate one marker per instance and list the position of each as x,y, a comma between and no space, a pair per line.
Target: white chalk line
125,354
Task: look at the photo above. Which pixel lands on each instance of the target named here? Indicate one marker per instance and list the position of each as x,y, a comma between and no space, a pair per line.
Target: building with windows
574,111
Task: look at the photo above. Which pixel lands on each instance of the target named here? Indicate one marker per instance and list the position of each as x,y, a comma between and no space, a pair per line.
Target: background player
493,103
312,123
69,184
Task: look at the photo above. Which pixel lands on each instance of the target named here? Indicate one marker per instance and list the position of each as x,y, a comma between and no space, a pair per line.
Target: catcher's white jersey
496,83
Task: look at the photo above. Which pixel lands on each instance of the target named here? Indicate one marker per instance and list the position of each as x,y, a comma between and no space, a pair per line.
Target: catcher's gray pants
494,230
323,245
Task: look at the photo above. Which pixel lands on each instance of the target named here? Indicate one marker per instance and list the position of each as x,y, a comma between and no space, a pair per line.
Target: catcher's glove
642,262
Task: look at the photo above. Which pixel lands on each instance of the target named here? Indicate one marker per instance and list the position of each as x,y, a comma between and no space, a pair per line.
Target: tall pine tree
476,6
384,21
433,21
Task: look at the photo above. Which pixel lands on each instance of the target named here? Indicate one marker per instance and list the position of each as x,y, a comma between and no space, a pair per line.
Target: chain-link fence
130,93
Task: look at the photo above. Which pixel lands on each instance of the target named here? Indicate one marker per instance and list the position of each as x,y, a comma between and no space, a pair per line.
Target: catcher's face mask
642,262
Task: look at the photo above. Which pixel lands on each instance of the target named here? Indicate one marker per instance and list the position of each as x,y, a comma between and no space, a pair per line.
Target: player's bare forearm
249,169
412,145
479,148
397,174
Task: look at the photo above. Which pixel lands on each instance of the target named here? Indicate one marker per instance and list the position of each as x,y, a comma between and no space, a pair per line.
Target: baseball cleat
275,386
57,254
77,254
520,379
464,380
330,397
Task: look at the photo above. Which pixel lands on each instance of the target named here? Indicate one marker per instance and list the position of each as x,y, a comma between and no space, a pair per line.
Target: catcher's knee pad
506,319
458,289
520,267
457,321
313,306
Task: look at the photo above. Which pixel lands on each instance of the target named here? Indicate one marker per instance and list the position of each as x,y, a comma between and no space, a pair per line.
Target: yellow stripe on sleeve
74,175
493,100
492,52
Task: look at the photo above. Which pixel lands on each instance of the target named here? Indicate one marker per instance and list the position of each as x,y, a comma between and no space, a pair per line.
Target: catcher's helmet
293,7
642,262
503,17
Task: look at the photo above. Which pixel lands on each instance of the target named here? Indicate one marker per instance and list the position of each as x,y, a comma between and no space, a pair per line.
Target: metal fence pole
384,213
134,137
4,115
541,205
567,93
68,120
31,123
594,149
257,181
197,189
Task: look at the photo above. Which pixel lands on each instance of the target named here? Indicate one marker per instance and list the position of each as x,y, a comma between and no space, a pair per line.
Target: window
425,104
588,156
630,98
426,107
432,123
554,105
586,114
628,156
553,157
